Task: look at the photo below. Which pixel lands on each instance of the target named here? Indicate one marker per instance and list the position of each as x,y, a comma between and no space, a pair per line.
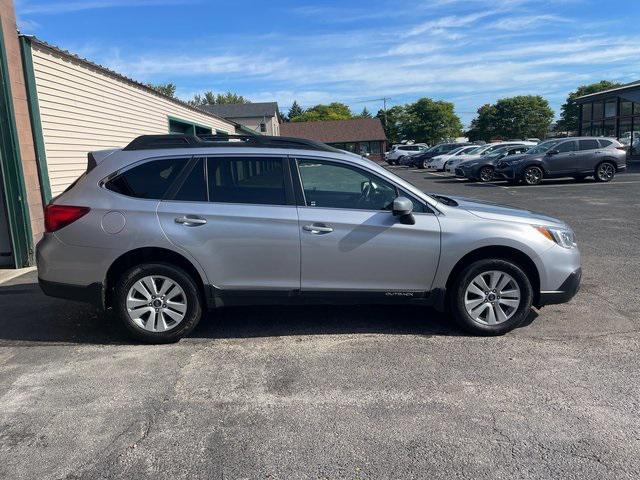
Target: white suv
398,151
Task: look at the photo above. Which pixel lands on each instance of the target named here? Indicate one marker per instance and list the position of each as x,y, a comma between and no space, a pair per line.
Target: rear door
237,216
350,240
587,155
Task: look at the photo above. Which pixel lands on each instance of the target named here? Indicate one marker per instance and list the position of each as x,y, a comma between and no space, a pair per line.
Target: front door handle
317,228
191,220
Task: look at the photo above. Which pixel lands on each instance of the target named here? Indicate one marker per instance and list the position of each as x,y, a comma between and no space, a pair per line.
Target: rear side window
149,180
605,143
246,180
589,144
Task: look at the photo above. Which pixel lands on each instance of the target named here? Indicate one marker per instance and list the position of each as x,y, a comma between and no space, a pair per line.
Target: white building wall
82,108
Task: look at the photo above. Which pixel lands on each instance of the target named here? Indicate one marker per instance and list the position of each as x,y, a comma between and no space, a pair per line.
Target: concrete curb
6,275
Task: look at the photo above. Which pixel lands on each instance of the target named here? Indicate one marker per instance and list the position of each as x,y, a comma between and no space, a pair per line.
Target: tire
532,175
605,172
183,300
402,160
501,316
486,174
423,164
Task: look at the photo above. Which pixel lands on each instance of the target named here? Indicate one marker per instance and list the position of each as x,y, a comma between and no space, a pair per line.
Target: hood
494,211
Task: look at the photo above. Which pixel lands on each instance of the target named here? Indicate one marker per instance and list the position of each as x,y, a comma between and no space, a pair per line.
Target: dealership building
613,113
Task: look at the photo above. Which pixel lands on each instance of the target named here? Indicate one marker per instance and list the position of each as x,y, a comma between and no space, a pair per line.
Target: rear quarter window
150,180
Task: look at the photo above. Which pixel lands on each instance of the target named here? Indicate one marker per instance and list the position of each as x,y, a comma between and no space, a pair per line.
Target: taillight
59,216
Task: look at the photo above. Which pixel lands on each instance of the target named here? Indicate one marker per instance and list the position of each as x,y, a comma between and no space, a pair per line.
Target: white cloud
26,7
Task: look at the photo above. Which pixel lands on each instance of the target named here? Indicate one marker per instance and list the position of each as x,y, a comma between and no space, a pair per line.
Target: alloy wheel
605,172
486,174
533,175
156,303
492,297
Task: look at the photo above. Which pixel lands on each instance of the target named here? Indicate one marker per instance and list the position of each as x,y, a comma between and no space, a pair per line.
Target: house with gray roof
262,117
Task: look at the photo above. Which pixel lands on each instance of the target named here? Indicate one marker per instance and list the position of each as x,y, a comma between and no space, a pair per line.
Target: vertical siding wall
83,108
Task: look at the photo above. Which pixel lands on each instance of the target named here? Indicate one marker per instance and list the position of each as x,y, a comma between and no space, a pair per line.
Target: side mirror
553,152
403,208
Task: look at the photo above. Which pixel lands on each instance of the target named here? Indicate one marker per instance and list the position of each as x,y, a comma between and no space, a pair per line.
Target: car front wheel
486,174
532,175
157,303
491,297
605,172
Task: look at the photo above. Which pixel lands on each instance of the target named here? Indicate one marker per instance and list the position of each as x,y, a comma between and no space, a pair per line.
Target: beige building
263,118
55,107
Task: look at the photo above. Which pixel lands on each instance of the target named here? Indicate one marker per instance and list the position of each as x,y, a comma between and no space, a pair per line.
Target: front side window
252,180
565,147
150,180
589,144
332,185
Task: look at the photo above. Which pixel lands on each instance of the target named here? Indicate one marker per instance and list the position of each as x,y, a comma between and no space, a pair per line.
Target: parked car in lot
438,162
481,152
577,157
483,168
400,151
422,160
172,225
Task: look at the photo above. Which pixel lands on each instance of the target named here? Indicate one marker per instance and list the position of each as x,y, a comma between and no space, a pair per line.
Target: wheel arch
501,252
149,255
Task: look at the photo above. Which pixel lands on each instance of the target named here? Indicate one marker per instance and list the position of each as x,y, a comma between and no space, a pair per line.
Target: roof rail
152,142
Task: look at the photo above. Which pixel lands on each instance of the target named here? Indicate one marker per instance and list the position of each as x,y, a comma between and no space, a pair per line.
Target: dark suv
577,157
422,159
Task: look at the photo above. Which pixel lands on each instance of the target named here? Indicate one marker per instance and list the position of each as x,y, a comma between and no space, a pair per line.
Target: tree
333,111
431,121
295,110
522,116
570,113
393,121
210,98
365,113
168,89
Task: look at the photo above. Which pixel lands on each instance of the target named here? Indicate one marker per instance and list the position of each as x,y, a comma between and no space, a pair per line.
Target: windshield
543,147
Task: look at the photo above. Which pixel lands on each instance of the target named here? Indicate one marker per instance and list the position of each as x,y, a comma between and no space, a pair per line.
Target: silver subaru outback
172,225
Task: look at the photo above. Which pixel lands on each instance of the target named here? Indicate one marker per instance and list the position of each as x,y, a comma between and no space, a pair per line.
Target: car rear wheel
157,303
424,164
532,175
486,174
605,172
491,297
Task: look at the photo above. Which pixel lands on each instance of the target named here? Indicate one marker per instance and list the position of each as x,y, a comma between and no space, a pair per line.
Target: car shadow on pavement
27,316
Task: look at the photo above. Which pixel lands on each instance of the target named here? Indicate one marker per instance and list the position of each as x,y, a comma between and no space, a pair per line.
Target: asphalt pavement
343,392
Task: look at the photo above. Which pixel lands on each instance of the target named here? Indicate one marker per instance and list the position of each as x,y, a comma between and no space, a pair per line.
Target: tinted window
566,147
246,180
332,185
605,143
194,187
589,144
149,180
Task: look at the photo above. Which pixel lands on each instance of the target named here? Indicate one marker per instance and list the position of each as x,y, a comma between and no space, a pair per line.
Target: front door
565,160
350,240
242,228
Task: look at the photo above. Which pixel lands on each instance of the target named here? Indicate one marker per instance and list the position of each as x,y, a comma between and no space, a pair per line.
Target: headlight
562,236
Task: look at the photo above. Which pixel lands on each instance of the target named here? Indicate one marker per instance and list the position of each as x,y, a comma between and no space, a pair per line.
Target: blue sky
469,52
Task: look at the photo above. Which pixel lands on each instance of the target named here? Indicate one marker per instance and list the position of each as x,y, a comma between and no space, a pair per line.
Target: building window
189,128
598,110
635,137
610,108
586,129
609,128
586,112
596,129
263,127
626,108
624,132
375,148
636,108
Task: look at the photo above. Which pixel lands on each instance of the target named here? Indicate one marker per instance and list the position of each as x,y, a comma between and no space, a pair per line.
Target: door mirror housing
403,209
553,152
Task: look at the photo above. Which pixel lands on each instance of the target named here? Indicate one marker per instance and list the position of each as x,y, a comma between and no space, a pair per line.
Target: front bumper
565,292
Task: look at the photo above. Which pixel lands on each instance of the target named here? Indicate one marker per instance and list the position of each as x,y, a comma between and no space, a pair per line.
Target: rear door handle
317,228
191,220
